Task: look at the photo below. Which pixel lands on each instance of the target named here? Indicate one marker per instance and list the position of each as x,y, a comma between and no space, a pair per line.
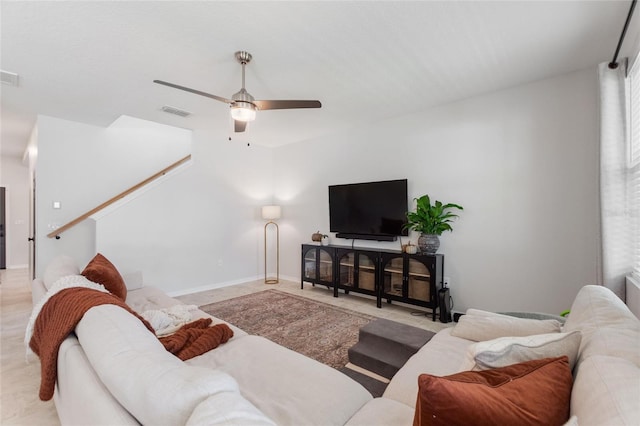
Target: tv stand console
414,279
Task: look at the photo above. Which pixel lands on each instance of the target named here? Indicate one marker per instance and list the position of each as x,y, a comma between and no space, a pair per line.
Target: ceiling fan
243,105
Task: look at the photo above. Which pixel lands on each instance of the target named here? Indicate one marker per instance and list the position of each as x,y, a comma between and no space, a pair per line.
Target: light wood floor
20,381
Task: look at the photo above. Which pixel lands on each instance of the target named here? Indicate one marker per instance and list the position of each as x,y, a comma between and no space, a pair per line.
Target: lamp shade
271,212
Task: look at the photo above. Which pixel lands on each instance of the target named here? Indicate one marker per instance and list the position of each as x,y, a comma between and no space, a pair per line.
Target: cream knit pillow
479,326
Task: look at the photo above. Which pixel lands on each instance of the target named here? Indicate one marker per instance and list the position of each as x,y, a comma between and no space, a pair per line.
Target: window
633,162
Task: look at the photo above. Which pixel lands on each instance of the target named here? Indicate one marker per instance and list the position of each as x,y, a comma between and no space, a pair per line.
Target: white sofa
606,386
113,371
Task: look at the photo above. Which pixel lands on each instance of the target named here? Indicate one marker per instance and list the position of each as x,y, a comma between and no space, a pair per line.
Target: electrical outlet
446,282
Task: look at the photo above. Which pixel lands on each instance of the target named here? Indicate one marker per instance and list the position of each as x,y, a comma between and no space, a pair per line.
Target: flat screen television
369,211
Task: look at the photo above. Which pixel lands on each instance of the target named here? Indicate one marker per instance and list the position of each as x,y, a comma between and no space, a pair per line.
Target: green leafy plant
431,219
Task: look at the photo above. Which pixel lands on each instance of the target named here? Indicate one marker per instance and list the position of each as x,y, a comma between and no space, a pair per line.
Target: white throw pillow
59,267
512,350
479,326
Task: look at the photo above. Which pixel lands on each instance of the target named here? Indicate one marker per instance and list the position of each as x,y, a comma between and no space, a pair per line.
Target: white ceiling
94,61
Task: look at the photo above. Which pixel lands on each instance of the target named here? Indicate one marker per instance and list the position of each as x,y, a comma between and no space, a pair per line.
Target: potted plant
430,221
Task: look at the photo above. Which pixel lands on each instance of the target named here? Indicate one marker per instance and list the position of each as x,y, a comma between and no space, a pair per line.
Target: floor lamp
271,213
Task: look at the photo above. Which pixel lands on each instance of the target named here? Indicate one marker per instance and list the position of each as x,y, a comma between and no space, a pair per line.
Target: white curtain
617,249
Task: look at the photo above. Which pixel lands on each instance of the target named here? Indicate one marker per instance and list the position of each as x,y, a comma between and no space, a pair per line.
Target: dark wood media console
414,279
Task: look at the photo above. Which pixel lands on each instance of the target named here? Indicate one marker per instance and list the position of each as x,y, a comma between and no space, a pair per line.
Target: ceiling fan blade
197,92
239,126
262,105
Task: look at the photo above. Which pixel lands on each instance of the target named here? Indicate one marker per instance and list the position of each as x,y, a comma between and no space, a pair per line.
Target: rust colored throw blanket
196,338
64,310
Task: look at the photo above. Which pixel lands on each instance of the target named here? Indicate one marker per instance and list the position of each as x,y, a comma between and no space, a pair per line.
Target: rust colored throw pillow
535,392
101,271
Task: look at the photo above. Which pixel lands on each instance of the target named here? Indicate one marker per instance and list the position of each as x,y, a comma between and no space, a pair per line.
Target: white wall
14,177
82,166
523,162
201,228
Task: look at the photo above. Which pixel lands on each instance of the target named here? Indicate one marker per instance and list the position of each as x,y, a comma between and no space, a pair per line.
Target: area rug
318,330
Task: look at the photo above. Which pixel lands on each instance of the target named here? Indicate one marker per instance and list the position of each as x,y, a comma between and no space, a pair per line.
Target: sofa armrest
38,290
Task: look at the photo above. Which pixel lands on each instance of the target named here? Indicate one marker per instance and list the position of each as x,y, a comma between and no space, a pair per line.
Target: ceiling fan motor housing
243,96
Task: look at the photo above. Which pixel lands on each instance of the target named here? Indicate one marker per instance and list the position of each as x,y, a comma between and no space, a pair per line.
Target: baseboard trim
214,286
25,266
206,287
223,284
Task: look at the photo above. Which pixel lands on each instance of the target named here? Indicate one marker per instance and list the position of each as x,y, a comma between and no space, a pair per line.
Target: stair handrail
56,233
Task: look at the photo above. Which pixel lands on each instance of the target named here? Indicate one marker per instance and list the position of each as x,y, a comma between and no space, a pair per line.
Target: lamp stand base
271,281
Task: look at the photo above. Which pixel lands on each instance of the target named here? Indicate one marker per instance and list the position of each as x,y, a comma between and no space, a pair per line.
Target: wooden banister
74,222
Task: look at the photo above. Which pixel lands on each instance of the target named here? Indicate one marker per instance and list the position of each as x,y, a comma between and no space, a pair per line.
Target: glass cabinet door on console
317,265
419,280
413,279
392,275
357,271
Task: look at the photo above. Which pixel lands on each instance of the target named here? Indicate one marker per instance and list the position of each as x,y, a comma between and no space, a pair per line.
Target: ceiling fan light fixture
243,111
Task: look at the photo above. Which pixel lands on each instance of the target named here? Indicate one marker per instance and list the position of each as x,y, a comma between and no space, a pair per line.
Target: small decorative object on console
411,248
318,236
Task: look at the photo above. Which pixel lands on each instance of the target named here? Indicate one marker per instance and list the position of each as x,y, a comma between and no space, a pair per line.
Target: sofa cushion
606,391
101,271
286,386
153,385
443,355
512,350
480,325
149,298
382,411
59,267
227,408
530,393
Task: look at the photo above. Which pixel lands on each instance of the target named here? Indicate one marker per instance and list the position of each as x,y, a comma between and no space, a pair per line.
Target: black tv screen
372,210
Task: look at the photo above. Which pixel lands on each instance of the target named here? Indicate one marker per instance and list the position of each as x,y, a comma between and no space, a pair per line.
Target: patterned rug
315,329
